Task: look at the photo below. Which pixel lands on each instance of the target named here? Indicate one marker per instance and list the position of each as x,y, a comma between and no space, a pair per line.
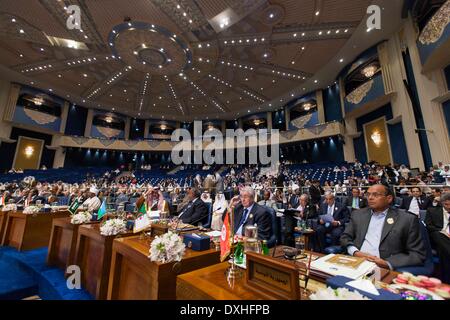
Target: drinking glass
300,244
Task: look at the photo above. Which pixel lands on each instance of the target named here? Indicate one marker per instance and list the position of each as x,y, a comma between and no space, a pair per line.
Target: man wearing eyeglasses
389,237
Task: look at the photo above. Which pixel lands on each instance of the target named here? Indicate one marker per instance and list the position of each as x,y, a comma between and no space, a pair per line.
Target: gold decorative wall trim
300,122
39,117
108,132
435,27
357,95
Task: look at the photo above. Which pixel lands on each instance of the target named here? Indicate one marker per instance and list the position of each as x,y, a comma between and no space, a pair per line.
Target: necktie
330,211
354,203
243,218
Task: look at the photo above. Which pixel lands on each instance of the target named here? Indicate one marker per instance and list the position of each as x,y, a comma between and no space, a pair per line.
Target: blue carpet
24,274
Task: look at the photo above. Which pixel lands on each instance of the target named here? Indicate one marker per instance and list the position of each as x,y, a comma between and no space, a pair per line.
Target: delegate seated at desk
306,211
332,219
247,212
196,210
389,237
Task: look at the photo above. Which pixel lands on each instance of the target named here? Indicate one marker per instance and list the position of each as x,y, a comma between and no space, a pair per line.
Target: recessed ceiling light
13,20
59,76
21,55
21,31
342,60
42,49
317,13
293,62
316,81
85,75
271,15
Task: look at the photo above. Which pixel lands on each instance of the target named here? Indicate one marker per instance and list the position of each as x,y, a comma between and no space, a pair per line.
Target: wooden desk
134,276
3,218
63,242
29,231
93,256
211,284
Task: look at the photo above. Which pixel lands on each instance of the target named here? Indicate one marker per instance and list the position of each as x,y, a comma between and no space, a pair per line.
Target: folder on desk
335,269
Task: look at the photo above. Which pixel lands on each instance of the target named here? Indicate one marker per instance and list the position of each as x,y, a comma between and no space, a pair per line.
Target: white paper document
364,285
333,269
214,233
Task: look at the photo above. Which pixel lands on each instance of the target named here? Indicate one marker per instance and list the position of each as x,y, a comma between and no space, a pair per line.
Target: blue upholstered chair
428,267
206,223
129,207
398,202
272,241
63,201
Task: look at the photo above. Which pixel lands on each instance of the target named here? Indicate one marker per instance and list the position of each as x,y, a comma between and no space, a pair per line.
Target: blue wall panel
332,103
76,121
446,108
398,144
447,76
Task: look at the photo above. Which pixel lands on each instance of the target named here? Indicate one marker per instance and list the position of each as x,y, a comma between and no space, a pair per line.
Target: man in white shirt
445,173
93,203
415,202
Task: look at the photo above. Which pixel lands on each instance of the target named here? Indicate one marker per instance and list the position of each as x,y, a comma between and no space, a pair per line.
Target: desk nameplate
272,278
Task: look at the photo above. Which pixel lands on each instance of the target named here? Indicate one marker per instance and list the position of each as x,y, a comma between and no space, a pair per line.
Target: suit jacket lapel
366,215
237,217
387,227
251,215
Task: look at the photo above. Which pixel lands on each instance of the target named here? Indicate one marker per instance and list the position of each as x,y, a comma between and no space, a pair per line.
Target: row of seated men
374,229
388,236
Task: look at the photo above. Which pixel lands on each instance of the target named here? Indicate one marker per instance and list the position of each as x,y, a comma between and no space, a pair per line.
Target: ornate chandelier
369,71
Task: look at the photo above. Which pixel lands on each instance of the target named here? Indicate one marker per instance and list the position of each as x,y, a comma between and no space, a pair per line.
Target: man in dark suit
434,200
355,200
389,237
195,210
315,192
416,202
305,210
438,225
332,219
248,212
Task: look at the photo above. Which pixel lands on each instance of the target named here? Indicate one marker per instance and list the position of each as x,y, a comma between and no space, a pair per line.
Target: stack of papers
214,234
323,265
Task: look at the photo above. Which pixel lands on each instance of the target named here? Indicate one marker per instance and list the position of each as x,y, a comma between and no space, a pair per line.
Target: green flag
74,206
142,210
102,210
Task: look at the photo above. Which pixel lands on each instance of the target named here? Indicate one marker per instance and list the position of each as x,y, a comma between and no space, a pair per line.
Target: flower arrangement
167,248
337,294
81,217
113,227
10,207
31,210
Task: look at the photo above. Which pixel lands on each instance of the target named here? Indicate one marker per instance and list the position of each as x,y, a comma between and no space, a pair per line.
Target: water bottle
239,253
264,248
